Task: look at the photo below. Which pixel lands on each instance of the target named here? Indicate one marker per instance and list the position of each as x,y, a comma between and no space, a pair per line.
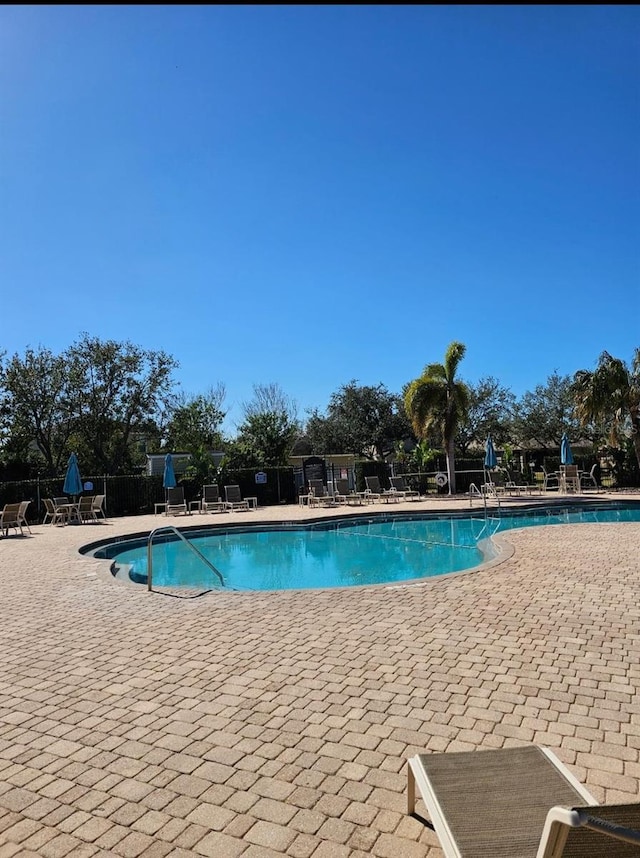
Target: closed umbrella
169,477
72,481
490,459
566,456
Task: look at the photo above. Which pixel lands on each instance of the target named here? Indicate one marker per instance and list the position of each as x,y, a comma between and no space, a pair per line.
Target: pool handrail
170,527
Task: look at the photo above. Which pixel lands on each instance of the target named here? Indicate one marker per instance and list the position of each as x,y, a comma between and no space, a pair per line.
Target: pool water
338,552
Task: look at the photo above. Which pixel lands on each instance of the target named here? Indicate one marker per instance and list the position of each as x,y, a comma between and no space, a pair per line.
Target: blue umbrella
72,481
169,477
566,456
490,459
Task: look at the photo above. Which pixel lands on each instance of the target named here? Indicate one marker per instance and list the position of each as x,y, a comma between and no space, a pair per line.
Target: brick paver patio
136,724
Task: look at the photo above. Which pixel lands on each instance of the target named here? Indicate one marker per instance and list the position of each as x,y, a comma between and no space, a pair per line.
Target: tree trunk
451,467
635,429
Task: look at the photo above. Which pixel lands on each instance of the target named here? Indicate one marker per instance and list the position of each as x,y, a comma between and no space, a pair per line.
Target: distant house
155,462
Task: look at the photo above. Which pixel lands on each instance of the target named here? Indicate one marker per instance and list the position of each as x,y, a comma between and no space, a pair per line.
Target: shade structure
490,459
72,480
566,456
169,477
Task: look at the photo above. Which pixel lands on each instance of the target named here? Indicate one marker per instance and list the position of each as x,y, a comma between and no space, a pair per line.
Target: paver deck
146,724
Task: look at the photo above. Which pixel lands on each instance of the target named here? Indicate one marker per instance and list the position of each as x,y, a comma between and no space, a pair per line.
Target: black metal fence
137,494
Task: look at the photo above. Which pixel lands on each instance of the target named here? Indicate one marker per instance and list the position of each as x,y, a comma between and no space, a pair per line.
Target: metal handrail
190,545
474,490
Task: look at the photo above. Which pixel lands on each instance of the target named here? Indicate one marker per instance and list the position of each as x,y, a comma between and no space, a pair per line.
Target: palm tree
612,393
437,400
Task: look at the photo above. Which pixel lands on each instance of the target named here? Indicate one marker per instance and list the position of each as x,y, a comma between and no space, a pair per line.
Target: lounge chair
53,514
345,495
319,494
176,503
211,500
10,517
376,492
518,802
495,483
234,498
398,484
513,488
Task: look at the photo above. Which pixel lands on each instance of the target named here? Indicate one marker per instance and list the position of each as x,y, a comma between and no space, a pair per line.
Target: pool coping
505,549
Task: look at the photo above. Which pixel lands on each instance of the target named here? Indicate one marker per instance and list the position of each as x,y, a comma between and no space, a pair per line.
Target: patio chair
399,484
98,507
589,480
551,480
234,499
376,492
569,479
211,500
69,509
85,509
176,503
22,514
518,802
53,514
10,517
319,494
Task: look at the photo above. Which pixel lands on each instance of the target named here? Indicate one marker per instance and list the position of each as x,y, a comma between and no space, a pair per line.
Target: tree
436,398
114,390
269,428
194,421
490,412
38,404
365,420
611,393
542,415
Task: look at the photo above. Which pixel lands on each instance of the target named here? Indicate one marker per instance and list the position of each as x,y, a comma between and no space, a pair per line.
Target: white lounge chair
399,485
345,495
176,503
518,802
319,494
211,500
234,499
376,492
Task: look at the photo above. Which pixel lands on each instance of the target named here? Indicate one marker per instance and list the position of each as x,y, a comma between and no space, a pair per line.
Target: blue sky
308,195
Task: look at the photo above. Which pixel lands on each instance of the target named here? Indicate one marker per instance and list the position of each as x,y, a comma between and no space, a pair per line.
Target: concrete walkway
137,724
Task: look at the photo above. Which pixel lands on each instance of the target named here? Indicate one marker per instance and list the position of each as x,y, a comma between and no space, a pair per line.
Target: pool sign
261,478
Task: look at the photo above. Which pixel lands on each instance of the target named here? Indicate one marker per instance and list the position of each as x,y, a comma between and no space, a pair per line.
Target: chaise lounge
399,485
518,803
234,500
375,492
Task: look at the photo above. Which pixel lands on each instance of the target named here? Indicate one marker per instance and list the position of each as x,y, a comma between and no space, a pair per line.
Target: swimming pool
340,552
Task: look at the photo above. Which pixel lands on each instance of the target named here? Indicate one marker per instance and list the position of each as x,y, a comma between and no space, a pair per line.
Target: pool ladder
475,491
169,527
